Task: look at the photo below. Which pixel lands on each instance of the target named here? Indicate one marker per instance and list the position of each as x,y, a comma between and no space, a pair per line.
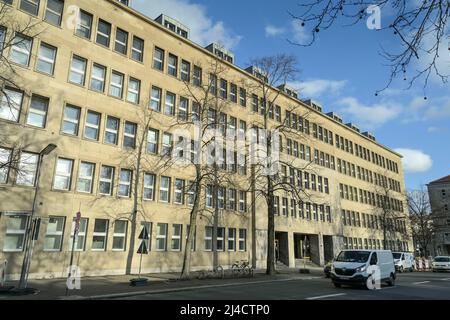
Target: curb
152,292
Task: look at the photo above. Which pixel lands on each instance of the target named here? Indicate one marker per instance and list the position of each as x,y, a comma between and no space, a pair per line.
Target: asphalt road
409,286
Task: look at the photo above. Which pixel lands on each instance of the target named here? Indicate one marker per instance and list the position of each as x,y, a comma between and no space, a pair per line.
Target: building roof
442,180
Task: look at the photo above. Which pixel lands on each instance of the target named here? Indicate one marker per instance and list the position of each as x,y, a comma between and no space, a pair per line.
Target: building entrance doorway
302,246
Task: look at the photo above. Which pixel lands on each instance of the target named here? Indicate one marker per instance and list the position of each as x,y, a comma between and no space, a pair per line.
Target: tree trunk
270,270
186,269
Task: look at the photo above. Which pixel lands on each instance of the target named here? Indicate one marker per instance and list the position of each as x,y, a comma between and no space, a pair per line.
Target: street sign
77,222
142,248
144,234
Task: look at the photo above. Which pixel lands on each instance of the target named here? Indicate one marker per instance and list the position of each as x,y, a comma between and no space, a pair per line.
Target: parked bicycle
242,268
215,273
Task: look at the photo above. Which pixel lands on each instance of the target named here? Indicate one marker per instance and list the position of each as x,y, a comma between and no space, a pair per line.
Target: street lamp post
32,225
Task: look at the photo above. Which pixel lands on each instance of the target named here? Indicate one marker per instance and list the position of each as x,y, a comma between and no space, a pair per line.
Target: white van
404,261
353,267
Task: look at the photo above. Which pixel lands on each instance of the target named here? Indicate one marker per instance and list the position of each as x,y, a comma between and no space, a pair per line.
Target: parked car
351,267
441,263
404,261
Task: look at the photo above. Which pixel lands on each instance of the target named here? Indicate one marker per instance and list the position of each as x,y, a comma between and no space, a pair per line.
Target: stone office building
86,76
439,194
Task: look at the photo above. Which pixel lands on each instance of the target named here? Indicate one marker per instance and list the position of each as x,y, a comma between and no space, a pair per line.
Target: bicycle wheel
235,269
246,270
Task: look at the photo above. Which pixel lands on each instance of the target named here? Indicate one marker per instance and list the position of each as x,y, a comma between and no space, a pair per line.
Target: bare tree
419,27
421,220
12,31
272,72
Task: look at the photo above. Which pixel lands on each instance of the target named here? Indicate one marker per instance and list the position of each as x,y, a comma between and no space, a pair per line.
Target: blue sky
342,71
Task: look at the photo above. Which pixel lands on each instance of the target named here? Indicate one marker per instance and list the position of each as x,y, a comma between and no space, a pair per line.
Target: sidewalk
119,286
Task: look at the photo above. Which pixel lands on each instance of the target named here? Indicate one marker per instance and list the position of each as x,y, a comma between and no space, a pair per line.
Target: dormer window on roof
353,126
258,73
125,2
315,105
173,25
335,116
221,52
289,91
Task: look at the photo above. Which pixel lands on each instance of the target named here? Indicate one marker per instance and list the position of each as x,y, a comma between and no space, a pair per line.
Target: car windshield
397,255
442,259
353,256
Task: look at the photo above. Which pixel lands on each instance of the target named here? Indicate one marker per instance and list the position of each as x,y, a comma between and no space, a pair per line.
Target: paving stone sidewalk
119,286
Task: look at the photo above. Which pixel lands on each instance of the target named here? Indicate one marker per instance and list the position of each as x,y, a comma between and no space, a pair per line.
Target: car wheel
391,281
337,285
401,269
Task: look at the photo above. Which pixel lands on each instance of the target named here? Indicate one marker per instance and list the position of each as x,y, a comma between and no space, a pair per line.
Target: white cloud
203,29
272,31
370,116
415,160
300,34
315,88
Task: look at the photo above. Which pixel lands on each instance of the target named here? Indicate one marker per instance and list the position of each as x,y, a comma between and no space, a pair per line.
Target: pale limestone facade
323,227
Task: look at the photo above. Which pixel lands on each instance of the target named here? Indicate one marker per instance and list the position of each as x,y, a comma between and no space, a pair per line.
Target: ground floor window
54,234
80,240
120,235
242,240
161,237
15,233
100,235
208,238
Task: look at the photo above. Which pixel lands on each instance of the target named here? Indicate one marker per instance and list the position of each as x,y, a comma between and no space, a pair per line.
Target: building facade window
37,115
220,239
177,231
84,25
179,191
63,174
92,126
164,189
106,180
155,101
169,108
161,237
111,130
80,240
5,158
172,65
11,104
231,239
15,233
103,33
134,88
152,141
78,70
71,120
46,59
100,235
27,169
208,238
137,51
158,59
120,235
121,42
116,84
242,240
54,12
129,135
98,78
54,234
197,76
149,186
185,71
125,180
85,177
21,50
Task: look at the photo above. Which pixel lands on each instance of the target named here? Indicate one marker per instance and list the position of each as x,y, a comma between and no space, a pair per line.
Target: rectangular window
233,93
37,115
152,141
121,43
106,181
137,51
134,88
15,233
2,39
116,85
161,237
179,191
63,174
158,59
84,25
112,130
164,189
126,177
46,59
242,240
242,97
220,239
28,163
129,135
191,193
80,241
85,177
71,120
54,234
21,50
242,201
149,187
185,71
120,235
177,231
169,108
209,196
155,103
54,11
167,144
103,33
172,65
183,109
231,239
11,104
231,199
208,238
5,158
30,6
98,76
92,126
213,84
78,70
100,235
197,76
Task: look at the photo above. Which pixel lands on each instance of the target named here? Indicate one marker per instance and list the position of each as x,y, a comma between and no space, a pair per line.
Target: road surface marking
446,279
327,296
423,282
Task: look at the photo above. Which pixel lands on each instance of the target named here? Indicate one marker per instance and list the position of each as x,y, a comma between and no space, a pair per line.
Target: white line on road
446,279
423,282
327,296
